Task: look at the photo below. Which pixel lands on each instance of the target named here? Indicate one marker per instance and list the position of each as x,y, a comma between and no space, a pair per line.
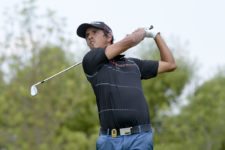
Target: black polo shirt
117,87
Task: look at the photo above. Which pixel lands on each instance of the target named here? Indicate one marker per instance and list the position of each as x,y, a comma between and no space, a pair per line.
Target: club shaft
57,73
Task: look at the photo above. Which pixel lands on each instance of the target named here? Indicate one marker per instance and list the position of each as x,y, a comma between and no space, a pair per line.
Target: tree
35,123
200,124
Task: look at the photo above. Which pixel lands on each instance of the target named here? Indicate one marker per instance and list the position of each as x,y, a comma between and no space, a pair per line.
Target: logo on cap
96,22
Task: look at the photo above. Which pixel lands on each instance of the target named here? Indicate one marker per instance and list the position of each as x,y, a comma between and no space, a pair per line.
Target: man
116,81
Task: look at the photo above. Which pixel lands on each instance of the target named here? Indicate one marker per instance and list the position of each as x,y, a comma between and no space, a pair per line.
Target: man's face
96,38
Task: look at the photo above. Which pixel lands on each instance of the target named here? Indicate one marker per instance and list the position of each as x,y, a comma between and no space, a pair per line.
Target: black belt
126,131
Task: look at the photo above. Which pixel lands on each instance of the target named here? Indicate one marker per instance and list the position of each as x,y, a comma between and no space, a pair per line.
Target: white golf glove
150,32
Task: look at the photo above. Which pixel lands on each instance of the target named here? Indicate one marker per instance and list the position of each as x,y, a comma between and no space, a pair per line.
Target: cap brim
82,29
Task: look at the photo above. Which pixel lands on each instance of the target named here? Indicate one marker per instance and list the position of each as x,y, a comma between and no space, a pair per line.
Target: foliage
38,122
200,124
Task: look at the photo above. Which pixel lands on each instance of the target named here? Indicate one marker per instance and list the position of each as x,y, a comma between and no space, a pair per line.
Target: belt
126,131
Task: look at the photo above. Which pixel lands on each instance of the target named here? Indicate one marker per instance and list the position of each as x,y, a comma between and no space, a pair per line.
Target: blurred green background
63,116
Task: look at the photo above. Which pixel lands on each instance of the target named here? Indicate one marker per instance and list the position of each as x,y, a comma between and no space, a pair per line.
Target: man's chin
94,47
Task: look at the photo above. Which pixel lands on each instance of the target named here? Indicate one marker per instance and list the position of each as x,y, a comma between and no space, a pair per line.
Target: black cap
81,30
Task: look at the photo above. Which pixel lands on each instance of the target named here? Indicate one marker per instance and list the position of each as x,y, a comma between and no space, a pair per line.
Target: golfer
116,82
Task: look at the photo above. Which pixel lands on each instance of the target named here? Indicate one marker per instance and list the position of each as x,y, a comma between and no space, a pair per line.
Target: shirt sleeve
94,60
148,68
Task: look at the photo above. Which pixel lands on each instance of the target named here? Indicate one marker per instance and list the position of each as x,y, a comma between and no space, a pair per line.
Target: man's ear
110,37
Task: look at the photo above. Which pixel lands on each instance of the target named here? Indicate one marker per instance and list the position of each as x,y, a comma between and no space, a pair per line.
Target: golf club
34,90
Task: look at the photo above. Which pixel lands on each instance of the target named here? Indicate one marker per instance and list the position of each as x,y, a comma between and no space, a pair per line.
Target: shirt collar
118,57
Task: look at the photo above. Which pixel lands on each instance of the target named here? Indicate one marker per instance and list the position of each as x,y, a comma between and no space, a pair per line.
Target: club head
33,90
